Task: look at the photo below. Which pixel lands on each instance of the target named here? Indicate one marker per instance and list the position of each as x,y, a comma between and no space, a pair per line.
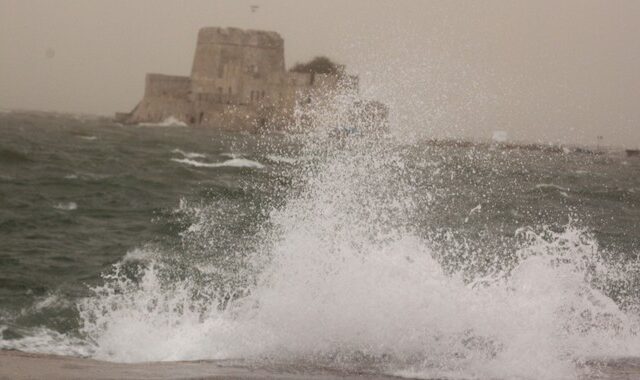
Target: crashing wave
341,276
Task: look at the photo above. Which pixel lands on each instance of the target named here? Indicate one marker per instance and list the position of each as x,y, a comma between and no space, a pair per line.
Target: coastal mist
324,249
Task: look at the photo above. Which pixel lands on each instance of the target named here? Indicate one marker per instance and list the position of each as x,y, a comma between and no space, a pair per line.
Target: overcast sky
564,71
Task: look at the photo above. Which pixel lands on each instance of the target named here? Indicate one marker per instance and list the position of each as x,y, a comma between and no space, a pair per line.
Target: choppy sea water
134,244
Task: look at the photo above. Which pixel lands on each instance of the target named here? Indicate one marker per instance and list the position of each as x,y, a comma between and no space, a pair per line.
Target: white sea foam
170,121
189,154
90,138
232,163
139,255
392,301
66,206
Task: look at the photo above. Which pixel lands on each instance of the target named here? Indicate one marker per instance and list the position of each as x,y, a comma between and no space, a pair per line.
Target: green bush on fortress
318,65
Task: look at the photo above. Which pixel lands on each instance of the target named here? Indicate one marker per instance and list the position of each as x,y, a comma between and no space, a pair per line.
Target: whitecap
171,121
189,154
66,206
90,138
233,163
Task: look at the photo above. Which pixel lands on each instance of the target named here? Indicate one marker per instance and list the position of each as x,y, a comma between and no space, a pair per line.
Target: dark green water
78,196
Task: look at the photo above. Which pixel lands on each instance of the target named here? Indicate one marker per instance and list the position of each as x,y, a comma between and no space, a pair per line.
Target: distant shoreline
56,114
444,141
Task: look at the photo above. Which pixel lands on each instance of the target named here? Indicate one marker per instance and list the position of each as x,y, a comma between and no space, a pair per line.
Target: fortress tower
240,67
238,81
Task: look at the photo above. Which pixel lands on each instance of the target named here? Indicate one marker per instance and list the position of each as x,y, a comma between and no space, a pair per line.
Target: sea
373,252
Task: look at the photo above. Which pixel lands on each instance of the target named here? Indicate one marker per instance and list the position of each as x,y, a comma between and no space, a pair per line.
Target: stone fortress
239,82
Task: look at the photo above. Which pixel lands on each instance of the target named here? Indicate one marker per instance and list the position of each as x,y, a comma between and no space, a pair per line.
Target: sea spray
215,251
341,275
352,269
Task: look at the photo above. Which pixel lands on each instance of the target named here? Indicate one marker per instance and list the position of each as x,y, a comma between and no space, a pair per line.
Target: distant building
239,81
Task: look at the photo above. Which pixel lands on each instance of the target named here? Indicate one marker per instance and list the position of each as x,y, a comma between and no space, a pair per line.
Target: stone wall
164,96
160,85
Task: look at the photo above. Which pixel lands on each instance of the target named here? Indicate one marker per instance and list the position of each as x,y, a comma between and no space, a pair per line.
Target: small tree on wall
318,65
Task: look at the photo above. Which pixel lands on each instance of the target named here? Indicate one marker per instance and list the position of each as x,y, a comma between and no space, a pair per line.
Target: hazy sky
564,70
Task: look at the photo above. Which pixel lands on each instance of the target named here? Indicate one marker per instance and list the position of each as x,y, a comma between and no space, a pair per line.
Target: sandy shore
16,365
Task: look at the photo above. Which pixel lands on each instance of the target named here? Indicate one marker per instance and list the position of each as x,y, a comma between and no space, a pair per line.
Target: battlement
240,37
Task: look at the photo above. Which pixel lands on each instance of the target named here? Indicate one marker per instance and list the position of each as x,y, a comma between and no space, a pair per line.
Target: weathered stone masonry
238,81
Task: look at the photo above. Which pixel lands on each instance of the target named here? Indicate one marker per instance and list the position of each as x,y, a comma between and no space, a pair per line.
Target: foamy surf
232,163
46,341
388,303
